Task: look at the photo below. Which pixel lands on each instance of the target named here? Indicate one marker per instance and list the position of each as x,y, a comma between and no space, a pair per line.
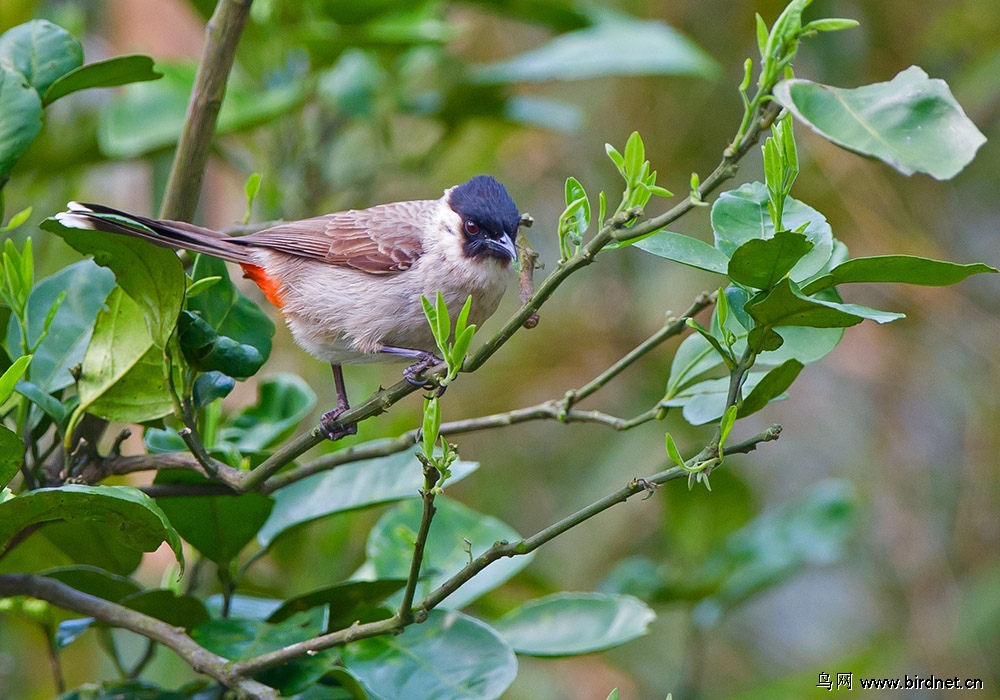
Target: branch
199,658
222,36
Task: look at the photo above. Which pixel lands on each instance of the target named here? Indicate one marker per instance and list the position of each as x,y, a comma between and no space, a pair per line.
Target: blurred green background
367,103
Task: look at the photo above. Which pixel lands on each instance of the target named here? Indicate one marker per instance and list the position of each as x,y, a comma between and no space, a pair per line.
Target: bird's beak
502,247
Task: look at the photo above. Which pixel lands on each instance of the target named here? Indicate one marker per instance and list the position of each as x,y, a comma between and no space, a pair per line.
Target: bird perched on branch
349,284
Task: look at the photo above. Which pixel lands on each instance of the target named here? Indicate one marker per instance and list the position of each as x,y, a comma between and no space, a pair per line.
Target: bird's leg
424,361
332,429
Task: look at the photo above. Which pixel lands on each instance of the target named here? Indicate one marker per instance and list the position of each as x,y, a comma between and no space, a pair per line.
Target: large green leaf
448,657
175,609
458,535
617,45
126,514
906,269
770,387
110,72
20,117
217,526
86,286
148,116
11,453
152,275
85,543
43,52
348,600
685,250
566,624
122,371
283,401
912,122
353,485
786,305
761,262
94,581
741,215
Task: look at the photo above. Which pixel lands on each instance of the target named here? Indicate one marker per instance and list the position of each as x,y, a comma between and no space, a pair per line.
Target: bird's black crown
486,202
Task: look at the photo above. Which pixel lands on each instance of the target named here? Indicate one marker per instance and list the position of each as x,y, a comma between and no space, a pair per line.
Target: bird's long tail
168,234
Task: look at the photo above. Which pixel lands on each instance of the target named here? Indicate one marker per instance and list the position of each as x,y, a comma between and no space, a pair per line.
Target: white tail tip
71,220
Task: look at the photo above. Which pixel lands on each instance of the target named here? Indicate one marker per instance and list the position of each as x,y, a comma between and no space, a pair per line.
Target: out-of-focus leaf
41,51
448,657
284,400
9,379
345,599
94,581
350,486
11,454
20,117
148,116
110,72
177,610
459,534
123,377
127,514
912,122
705,401
685,250
69,631
117,690
566,624
151,275
217,526
615,46
741,215
906,269
86,286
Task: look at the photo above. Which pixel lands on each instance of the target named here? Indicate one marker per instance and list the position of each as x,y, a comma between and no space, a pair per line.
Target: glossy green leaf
912,122
110,72
208,351
785,305
347,600
86,286
283,401
41,51
11,454
567,624
94,581
178,610
86,543
448,657
616,45
211,386
742,215
762,262
770,387
685,250
151,275
459,534
349,486
126,514
148,116
20,117
905,269
9,379
122,371
217,526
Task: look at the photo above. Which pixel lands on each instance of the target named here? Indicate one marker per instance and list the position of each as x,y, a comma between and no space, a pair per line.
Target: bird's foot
331,427
424,362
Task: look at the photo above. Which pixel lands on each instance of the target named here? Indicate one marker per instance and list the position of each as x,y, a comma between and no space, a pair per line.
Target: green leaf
94,581
705,401
283,401
11,454
567,624
148,116
122,371
211,386
208,351
693,358
183,611
151,275
685,250
785,305
126,514
742,215
771,387
86,287
905,269
448,657
616,45
10,378
20,117
673,452
116,690
349,486
761,263
110,72
913,123
41,51
457,531
347,600
217,526
727,423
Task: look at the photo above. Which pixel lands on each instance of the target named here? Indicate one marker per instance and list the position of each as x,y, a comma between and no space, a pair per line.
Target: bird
349,284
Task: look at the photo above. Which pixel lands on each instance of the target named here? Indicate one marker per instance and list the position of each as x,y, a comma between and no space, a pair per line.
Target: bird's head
489,218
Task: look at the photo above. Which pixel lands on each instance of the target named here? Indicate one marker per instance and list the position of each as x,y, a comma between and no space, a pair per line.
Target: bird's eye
471,227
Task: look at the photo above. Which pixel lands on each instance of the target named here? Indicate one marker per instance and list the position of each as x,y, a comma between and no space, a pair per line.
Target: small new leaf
726,426
674,453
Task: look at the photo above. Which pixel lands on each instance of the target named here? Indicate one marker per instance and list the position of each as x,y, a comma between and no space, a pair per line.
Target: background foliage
877,551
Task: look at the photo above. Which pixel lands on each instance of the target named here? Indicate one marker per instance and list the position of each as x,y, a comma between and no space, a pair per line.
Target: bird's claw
413,372
331,427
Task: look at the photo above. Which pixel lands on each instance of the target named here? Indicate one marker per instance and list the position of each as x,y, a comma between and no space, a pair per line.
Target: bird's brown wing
384,239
